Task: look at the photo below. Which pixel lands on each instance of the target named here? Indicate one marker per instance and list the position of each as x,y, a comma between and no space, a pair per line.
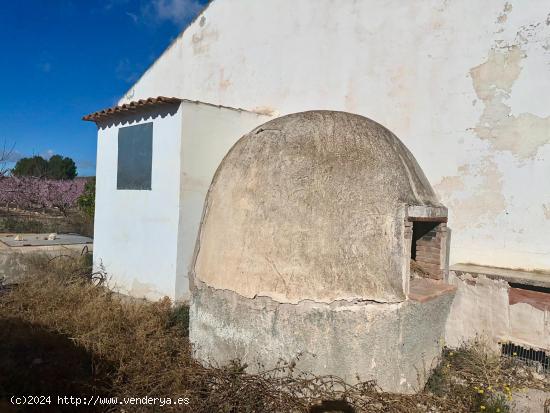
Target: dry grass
135,349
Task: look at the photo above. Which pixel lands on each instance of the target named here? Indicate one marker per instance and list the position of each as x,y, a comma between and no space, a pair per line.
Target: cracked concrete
394,344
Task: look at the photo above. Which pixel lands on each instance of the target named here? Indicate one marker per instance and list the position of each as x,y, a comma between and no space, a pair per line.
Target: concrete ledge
35,243
41,240
537,279
428,213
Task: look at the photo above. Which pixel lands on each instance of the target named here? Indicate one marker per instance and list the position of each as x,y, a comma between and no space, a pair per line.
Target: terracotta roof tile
130,107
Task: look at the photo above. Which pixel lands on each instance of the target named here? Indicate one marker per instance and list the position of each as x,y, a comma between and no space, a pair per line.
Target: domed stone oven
304,254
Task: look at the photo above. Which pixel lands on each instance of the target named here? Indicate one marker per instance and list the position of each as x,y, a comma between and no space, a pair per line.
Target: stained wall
489,309
467,89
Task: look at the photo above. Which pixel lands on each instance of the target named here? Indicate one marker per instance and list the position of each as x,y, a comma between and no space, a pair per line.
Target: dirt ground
36,361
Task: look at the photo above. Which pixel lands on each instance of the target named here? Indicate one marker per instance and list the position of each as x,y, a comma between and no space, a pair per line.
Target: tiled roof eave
130,107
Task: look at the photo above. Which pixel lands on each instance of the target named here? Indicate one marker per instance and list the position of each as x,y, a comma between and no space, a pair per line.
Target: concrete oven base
396,344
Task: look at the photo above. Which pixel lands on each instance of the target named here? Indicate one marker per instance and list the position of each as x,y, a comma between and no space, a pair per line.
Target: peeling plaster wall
481,308
466,88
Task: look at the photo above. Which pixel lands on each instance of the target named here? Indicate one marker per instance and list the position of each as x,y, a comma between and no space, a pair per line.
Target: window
135,156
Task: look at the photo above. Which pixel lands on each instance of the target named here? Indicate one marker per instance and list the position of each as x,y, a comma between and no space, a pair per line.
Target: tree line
57,167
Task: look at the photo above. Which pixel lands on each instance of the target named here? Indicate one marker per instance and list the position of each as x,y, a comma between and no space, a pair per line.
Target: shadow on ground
35,361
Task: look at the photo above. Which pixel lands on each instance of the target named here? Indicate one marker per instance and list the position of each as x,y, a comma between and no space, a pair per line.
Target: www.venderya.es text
99,401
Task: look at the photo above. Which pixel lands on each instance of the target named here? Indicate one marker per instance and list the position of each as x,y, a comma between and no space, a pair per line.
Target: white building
467,89
155,161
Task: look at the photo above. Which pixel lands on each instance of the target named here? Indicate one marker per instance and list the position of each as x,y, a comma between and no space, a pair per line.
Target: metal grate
536,358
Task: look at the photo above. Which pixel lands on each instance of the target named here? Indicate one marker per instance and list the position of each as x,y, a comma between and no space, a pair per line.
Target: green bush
86,201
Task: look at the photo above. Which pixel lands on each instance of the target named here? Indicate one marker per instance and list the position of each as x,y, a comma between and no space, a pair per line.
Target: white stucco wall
136,231
145,238
467,88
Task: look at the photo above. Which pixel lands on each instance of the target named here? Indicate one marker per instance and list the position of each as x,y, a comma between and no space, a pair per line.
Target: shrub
496,403
86,201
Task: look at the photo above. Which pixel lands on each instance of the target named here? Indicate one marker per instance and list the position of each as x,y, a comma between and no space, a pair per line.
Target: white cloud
176,11
133,16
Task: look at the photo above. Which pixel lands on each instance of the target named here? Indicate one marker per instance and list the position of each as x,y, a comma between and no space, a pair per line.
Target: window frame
135,157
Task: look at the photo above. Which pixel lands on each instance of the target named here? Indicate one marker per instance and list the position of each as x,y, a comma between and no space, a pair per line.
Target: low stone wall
395,344
13,259
485,306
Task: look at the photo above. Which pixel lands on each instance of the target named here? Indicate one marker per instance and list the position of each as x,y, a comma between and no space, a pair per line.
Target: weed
179,318
495,403
438,382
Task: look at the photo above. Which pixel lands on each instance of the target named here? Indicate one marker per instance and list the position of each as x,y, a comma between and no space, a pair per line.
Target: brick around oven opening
428,248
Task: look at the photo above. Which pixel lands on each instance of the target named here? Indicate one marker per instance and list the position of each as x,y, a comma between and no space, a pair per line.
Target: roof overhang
128,108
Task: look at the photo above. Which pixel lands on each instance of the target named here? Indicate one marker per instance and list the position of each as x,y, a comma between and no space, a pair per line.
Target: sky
63,59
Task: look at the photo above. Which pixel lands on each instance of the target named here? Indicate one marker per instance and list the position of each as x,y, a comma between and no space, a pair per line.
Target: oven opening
426,249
